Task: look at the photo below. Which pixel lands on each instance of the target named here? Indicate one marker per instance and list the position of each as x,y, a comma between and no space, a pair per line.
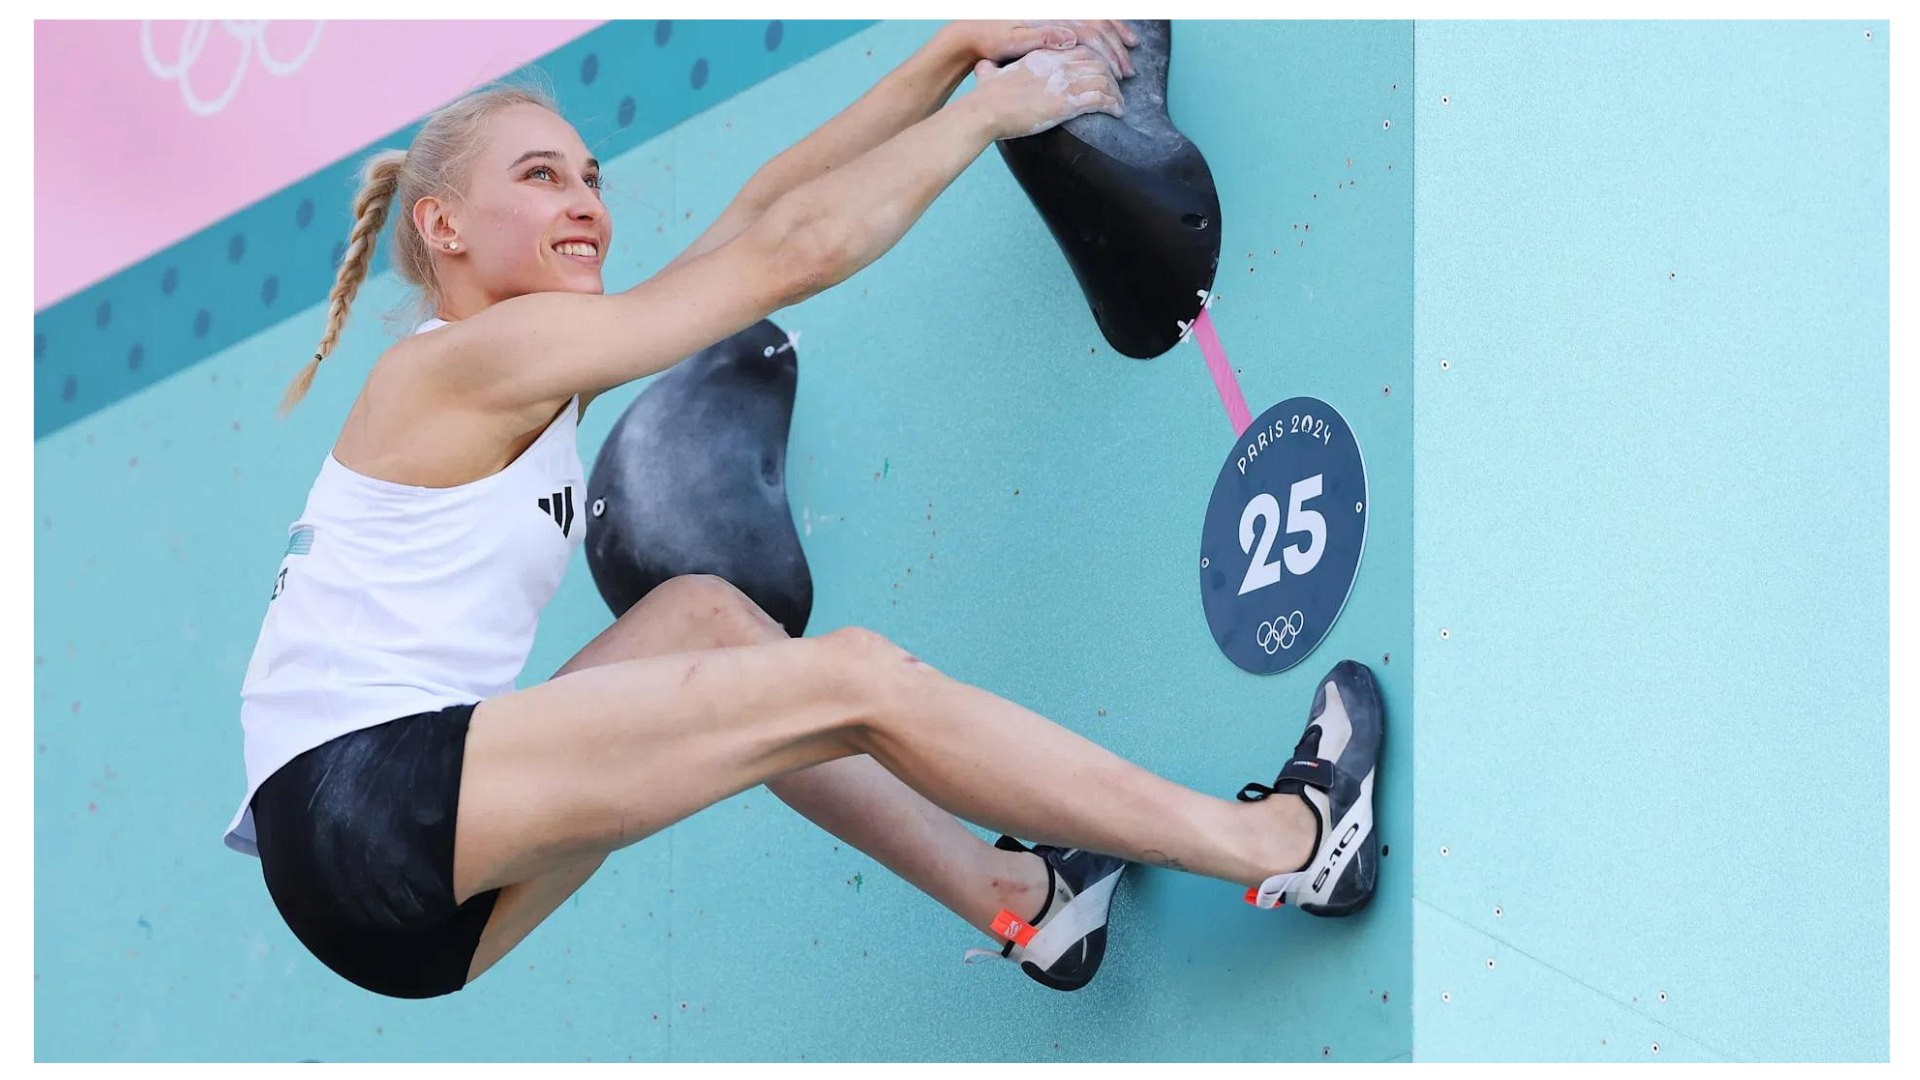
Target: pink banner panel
146,132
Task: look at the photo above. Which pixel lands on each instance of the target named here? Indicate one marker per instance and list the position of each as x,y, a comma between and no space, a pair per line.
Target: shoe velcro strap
1314,772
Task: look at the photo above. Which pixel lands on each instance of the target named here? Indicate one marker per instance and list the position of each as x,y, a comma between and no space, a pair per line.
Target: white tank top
393,599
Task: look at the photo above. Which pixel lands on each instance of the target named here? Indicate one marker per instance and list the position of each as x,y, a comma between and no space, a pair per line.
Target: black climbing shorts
356,844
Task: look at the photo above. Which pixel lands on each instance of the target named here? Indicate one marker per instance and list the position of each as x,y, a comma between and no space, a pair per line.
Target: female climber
416,816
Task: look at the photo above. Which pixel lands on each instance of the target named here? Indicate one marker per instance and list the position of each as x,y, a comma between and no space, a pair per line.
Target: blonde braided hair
435,165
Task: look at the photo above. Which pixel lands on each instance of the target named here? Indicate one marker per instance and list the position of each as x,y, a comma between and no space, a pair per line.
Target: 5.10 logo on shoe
1281,543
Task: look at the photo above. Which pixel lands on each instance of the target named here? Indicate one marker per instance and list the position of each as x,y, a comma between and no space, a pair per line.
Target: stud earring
453,245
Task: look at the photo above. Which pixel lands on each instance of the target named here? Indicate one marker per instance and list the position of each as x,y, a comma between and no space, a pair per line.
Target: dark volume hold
1131,203
692,480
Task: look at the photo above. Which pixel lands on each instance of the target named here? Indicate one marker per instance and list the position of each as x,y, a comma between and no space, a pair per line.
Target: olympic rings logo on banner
1279,634
250,33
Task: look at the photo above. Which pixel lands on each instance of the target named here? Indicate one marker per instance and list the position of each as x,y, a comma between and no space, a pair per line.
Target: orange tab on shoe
1253,897
1013,928
1272,893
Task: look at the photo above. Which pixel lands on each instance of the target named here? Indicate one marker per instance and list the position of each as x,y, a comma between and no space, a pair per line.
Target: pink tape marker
1223,380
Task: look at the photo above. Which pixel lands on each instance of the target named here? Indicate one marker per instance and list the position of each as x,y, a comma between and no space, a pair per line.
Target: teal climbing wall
975,475
1651,591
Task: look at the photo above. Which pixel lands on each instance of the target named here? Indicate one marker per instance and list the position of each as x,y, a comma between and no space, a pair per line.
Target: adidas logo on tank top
560,505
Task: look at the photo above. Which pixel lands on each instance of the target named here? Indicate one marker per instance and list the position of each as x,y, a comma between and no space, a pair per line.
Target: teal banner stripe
620,84
301,542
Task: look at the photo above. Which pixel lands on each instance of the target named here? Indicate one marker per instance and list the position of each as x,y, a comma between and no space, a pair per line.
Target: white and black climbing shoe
1062,946
1332,769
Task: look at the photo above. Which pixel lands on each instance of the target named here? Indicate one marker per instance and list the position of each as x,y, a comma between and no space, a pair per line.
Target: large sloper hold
692,480
1132,204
